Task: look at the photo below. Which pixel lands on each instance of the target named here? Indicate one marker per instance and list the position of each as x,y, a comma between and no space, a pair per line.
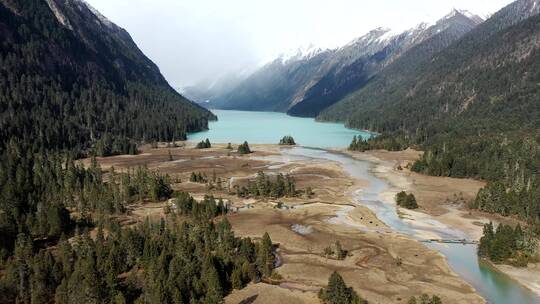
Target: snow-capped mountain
353,65
450,86
301,53
469,15
305,81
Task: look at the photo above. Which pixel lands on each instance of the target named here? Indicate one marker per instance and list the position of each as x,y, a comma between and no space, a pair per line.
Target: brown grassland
381,265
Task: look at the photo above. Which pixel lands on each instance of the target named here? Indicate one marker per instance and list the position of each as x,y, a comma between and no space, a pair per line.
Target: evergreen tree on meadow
265,256
244,148
205,144
406,200
287,141
337,292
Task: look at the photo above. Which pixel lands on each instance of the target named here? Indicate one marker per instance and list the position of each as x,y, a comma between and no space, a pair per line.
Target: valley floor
382,266
444,199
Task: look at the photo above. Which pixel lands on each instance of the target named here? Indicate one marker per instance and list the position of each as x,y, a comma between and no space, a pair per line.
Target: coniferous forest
507,245
265,186
193,259
76,89
81,88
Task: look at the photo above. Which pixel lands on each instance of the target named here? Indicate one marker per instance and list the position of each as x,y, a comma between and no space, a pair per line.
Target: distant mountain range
70,77
308,82
460,67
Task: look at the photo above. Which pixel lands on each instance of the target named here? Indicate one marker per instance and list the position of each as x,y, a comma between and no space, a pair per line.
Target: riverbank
441,198
445,200
528,276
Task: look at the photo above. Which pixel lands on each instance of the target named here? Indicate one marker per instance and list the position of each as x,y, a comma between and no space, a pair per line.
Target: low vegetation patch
205,144
287,141
406,200
198,177
244,148
336,251
425,299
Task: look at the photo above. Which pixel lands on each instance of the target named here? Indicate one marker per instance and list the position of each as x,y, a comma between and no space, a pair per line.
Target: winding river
494,286
268,128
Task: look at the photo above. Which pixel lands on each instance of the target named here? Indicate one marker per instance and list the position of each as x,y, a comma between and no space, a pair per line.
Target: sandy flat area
271,294
382,266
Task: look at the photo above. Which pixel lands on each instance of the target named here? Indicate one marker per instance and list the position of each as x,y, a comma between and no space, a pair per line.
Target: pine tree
244,148
236,279
265,256
214,291
337,292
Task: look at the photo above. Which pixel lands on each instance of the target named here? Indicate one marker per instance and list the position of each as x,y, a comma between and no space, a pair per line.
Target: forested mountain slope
272,87
73,83
474,107
488,75
69,77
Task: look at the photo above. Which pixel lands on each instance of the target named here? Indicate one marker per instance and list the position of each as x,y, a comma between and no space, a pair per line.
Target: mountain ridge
358,73
67,62
305,86
402,81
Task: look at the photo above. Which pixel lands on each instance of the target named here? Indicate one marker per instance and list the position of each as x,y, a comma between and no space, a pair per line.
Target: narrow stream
493,285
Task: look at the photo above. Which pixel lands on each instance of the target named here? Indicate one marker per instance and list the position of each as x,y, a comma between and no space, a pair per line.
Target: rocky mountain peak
72,13
533,6
461,15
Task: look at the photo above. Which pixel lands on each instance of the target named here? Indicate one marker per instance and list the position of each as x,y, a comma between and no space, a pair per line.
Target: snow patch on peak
467,14
378,35
301,53
387,36
534,5
456,12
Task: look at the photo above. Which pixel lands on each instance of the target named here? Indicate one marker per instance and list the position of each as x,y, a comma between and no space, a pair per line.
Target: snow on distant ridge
380,35
301,53
387,35
465,13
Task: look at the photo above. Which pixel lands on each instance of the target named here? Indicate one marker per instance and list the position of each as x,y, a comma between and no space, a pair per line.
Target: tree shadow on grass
249,300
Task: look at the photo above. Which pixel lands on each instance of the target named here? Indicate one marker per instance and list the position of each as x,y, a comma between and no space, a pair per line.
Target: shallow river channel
491,284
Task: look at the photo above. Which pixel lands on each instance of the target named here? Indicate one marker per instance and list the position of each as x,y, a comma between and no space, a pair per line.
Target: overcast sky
199,40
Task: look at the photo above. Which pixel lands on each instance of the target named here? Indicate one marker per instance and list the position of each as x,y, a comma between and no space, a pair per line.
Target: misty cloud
198,40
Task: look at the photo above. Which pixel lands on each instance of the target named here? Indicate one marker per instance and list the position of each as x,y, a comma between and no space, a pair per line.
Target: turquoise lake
270,127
